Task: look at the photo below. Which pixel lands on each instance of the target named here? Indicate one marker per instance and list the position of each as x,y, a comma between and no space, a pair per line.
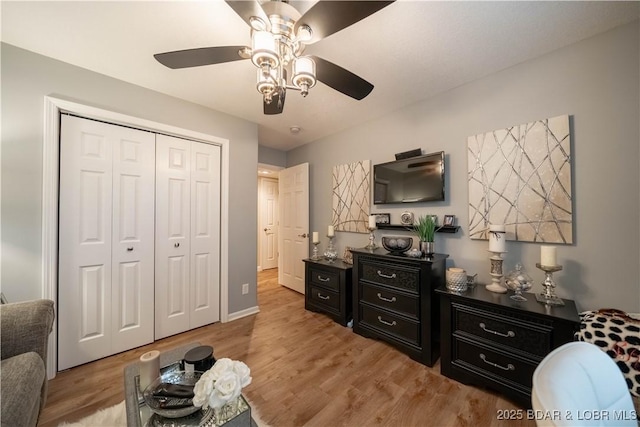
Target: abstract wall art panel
521,177
351,195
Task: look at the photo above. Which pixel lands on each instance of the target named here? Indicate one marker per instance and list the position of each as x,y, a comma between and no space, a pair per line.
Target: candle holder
330,253
372,239
315,255
496,273
548,296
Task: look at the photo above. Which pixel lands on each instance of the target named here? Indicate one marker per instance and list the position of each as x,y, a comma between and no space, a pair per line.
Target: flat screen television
412,180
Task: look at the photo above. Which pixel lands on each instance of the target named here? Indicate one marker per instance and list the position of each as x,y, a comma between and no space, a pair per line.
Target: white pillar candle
330,231
316,237
497,238
372,221
548,255
149,368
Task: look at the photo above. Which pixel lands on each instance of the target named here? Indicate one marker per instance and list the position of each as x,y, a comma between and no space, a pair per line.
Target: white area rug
116,416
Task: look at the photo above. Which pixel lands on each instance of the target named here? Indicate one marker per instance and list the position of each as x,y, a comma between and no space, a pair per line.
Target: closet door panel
205,234
84,273
133,238
173,195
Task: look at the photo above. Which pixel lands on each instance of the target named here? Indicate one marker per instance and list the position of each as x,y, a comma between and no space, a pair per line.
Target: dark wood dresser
328,288
490,340
394,300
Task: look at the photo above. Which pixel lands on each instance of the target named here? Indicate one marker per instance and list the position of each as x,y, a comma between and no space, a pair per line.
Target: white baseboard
243,313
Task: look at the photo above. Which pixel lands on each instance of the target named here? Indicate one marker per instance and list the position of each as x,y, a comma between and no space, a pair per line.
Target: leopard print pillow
618,334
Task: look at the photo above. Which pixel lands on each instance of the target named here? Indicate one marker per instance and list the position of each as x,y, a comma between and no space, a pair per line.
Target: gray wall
271,156
26,79
596,82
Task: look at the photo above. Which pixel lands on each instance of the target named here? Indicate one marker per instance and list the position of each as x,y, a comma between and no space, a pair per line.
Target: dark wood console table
394,300
490,340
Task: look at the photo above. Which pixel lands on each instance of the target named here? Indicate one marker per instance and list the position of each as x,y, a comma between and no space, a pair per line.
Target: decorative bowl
397,244
168,395
518,281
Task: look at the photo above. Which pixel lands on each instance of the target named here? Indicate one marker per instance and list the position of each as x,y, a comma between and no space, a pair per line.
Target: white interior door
205,235
102,285
133,236
173,203
294,225
268,223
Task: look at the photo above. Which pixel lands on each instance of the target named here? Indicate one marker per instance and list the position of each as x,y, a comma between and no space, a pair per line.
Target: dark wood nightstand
490,340
328,288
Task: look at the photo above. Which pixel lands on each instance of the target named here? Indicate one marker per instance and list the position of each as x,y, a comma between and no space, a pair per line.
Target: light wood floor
306,369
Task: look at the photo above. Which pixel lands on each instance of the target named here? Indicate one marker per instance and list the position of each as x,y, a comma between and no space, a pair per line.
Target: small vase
427,248
226,412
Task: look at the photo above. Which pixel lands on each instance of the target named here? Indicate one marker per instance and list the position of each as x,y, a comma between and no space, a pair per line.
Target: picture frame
449,220
383,218
347,257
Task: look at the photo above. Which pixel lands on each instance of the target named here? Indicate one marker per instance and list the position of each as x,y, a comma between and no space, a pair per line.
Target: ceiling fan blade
328,17
277,104
200,56
341,80
246,9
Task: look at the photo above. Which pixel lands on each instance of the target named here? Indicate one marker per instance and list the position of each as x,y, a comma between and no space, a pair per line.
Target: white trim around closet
53,107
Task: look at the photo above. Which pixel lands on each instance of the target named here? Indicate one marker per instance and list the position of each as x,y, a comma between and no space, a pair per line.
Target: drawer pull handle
323,279
324,297
393,276
384,322
392,299
509,367
509,334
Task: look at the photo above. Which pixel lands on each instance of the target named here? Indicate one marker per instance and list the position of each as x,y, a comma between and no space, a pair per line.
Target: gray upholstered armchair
24,334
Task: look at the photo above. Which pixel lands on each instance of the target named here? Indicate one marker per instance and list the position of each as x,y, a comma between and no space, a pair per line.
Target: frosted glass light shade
267,83
265,49
304,72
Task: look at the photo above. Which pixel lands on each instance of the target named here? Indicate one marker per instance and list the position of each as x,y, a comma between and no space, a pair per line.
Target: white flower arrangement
221,384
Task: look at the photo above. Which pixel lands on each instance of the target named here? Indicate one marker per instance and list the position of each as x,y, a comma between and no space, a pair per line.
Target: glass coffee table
140,415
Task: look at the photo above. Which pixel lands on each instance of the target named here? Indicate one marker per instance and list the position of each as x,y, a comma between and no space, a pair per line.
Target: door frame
53,107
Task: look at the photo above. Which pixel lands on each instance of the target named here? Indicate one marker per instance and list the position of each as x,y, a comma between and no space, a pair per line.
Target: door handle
304,236
129,249
176,245
266,229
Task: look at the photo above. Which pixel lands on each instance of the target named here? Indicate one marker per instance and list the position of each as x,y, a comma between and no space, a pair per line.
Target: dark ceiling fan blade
200,56
341,80
248,8
328,17
276,105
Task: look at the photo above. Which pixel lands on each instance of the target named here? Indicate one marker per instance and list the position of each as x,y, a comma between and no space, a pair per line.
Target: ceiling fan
279,35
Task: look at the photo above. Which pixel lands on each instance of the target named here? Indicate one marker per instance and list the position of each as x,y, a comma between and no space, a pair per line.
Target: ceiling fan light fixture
264,47
304,74
267,82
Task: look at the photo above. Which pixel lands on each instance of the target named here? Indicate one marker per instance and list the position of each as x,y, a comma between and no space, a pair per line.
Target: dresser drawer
389,299
325,297
383,320
513,332
389,275
328,279
500,367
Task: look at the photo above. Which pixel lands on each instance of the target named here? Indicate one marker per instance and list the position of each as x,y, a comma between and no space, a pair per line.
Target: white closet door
173,202
205,234
90,301
133,239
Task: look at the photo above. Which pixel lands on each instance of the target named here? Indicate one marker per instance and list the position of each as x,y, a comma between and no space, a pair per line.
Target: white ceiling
410,50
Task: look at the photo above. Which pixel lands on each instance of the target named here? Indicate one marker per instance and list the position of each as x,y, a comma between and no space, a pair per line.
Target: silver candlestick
315,255
548,296
496,273
372,239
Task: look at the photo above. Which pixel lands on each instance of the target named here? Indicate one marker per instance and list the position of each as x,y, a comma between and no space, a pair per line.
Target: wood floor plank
306,369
